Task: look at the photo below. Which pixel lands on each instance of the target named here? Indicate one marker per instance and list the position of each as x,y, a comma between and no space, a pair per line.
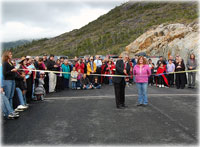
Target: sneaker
18,110
163,86
166,87
22,107
160,86
17,113
10,116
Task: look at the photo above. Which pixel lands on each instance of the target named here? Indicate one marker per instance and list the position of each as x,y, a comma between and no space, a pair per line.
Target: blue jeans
73,85
78,84
142,93
66,83
87,86
110,81
98,87
20,96
6,108
9,88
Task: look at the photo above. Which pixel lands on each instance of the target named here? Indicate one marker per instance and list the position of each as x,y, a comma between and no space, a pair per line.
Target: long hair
5,56
144,60
191,55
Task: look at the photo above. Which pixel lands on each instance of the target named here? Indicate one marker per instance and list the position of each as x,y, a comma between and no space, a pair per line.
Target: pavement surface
90,117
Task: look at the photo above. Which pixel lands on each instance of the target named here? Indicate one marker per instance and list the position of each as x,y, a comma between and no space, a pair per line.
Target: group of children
81,81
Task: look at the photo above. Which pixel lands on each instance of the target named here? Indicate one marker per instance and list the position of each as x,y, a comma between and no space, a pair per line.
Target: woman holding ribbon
141,72
9,73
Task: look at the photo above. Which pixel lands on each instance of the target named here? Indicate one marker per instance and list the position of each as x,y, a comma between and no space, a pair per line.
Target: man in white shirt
98,64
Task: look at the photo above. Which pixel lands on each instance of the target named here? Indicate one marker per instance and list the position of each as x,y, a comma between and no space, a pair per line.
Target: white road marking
112,96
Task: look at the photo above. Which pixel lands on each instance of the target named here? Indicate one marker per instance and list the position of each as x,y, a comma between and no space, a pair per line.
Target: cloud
27,20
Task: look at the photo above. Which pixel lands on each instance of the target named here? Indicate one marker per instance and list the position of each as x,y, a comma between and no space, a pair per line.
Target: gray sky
48,18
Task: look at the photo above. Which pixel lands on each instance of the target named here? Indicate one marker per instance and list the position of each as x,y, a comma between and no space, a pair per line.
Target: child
170,68
151,78
85,83
80,75
74,75
109,70
162,80
96,84
39,90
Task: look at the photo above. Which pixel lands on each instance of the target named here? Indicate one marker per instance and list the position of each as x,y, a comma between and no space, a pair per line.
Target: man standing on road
122,68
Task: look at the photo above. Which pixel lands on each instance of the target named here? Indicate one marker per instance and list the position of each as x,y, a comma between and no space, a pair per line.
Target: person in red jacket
110,70
80,65
162,79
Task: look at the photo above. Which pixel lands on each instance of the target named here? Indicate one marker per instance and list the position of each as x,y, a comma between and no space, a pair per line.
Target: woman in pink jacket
141,72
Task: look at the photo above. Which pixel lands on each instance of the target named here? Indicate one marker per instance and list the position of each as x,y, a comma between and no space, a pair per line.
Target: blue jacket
66,68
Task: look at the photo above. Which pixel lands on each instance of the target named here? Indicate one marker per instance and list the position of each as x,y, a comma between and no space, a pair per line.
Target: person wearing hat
122,69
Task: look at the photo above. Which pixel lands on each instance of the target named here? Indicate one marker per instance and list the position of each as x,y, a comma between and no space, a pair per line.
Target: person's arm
95,67
89,68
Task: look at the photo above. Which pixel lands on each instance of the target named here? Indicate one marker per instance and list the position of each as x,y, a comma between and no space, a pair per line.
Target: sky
48,18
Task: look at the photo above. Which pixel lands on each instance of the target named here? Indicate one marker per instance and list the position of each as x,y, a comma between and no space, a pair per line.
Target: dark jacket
50,65
7,74
20,83
84,81
120,71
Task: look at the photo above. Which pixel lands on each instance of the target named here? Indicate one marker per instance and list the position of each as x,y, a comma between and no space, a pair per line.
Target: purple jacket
141,75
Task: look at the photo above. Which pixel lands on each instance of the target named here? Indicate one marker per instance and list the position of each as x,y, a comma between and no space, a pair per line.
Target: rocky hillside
166,40
112,32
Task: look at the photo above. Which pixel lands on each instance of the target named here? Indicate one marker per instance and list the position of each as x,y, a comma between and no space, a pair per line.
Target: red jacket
80,66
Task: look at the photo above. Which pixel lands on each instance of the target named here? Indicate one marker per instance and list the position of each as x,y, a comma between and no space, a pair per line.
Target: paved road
78,117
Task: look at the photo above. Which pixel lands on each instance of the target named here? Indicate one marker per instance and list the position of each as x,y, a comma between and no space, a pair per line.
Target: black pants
29,83
180,81
171,79
46,82
120,93
59,83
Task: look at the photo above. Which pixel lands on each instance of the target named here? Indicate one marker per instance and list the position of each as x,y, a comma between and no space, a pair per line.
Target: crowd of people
31,79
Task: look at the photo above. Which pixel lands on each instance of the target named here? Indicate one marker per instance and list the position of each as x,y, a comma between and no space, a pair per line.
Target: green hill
110,33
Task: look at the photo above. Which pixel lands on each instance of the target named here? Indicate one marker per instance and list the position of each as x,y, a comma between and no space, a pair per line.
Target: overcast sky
39,19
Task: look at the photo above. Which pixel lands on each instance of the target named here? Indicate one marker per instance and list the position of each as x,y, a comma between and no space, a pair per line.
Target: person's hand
190,67
84,86
1,90
14,70
55,66
125,72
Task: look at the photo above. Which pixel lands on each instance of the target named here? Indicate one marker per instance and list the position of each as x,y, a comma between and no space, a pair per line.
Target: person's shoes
12,116
160,86
120,107
125,106
17,113
144,105
139,105
163,86
18,110
22,107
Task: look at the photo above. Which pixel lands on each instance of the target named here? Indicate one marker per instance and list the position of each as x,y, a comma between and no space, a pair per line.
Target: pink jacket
141,74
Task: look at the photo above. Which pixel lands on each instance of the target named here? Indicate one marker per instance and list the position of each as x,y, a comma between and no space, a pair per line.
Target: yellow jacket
89,70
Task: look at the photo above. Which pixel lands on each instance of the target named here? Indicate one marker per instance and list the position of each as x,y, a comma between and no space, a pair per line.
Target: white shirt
98,63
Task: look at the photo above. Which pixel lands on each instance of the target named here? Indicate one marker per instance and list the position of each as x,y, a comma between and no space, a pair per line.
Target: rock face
166,40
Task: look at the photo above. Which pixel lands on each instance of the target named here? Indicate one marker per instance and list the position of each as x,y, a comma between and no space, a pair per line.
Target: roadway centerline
112,96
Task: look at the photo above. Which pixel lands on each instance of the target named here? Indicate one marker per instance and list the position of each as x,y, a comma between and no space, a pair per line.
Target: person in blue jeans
9,72
85,83
7,110
141,72
96,84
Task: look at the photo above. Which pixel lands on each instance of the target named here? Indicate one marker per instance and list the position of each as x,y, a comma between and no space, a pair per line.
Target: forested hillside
112,32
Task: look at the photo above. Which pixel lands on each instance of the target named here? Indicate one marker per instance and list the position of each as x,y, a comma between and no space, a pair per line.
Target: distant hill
112,32
14,44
